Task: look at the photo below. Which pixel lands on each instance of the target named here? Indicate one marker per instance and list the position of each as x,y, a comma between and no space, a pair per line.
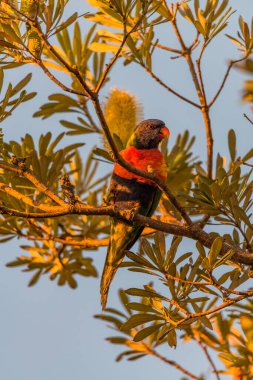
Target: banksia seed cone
122,113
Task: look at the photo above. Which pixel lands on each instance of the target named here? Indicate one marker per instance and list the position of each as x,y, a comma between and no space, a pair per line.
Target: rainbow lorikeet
128,189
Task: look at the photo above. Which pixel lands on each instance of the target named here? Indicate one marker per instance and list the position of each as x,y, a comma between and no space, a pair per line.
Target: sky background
48,332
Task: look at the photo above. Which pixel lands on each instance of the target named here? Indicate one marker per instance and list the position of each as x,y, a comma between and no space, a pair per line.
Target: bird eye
155,126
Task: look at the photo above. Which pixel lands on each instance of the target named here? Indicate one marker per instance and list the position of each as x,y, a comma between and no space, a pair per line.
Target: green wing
122,238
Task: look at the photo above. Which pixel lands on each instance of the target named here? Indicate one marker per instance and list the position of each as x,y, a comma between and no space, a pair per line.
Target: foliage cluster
53,199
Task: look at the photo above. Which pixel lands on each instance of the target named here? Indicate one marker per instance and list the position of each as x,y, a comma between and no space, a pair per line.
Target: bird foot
127,212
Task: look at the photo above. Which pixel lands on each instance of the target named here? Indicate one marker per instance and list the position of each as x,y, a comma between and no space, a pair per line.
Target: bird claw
127,212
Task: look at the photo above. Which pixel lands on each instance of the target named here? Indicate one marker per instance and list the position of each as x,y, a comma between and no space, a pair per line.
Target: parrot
127,189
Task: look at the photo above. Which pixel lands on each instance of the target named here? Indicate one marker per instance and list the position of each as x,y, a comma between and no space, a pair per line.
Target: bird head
148,134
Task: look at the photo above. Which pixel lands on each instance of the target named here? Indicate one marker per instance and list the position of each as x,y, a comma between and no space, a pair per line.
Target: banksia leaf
122,112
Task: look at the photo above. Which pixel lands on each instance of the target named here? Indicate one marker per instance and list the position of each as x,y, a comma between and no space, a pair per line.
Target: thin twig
213,310
178,306
130,216
201,95
40,63
198,62
173,364
90,118
115,57
230,291
231,64
246,164
246,116
158,80
195,283
205,350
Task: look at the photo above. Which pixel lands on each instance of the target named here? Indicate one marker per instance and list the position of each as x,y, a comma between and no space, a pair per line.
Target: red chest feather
147,160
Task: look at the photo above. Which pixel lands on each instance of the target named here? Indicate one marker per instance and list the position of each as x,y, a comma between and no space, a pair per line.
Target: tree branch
23,171
130,215
85,243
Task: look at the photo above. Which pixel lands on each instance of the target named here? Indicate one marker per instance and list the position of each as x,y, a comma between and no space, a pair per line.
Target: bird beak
164,133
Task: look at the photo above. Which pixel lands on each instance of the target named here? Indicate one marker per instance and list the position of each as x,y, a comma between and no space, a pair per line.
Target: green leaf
160,242
240,215
101,47
201,249
109,318
224,258
102,153
35,278
172,338
136,357
215,250
144,333
117,340
66,23
140,260
206,322
222,7
172,251
139,319
140,307
234,40
186,12
232,144
144,293
248,156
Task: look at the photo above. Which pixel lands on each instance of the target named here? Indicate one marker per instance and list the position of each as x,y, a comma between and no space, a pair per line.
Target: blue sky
48,332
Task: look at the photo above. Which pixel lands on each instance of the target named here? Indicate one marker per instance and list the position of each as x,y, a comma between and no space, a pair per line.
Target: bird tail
111,266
